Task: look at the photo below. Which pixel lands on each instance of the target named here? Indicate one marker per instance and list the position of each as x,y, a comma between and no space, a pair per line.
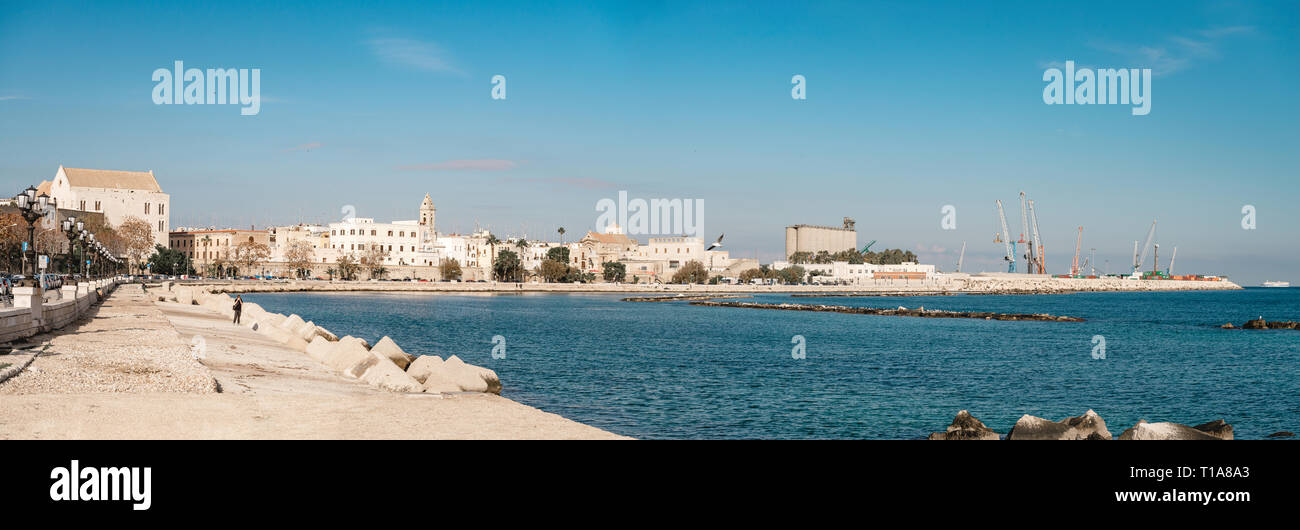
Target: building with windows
399,243
208,248
118,195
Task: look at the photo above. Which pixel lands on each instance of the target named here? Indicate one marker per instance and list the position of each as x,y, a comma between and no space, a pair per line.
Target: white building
401,242
118,195
845,273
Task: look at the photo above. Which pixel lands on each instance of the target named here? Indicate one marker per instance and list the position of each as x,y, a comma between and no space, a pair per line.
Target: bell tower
428,230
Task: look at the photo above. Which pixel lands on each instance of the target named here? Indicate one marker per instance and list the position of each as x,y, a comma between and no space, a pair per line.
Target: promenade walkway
142,380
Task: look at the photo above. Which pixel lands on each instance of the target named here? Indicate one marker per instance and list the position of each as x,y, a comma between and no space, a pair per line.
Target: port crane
1005,238
1170,270
1138,260
1075,268
1024,229
962,257
868,247
1039,262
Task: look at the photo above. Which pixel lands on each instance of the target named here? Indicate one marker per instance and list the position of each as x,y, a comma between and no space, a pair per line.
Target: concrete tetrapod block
424,365
319,348
470,378
292,323
252,312
377,370
390,349
437,383
329,336
346,353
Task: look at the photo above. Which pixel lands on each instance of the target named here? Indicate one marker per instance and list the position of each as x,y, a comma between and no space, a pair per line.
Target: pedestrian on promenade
239,306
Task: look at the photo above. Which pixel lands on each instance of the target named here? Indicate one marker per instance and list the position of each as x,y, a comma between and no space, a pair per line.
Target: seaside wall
33,314
954,283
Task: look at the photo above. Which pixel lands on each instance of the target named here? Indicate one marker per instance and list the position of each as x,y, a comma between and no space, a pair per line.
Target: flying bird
717,243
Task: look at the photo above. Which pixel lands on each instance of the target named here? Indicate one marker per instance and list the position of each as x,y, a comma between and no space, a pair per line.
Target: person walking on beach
239,306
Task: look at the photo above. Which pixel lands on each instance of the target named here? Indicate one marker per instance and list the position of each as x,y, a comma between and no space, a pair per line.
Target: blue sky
911,106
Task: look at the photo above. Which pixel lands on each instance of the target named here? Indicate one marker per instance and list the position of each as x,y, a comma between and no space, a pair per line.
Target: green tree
449,269
168,261
561,231
749,275
522,245
791,275
347,267
615,271
554,271
691,272
506,266
492,242
560,254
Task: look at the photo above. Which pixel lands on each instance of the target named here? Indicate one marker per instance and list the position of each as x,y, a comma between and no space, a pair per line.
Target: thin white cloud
462,165
576,182
306,147
1177,52
7,98
413,54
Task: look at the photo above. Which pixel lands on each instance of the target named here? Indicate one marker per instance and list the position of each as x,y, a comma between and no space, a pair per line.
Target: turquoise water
671,370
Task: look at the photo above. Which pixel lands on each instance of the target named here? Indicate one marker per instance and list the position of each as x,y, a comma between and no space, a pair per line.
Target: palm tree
561,231
492,241
522,245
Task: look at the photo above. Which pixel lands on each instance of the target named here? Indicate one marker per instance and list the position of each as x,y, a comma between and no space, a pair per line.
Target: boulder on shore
1088,426
1218,428
1281,434
965,427
1176,431
390,349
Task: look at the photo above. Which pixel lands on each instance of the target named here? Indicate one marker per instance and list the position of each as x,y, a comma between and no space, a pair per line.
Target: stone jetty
1087,426
1260,323
901,311
681,297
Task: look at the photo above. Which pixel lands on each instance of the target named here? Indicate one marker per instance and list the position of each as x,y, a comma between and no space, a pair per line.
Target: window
352,232
146,208
160,208
399,234
390,233
83,205
372,232
160,226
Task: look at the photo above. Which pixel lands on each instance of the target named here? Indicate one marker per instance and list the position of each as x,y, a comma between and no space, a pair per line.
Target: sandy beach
130,371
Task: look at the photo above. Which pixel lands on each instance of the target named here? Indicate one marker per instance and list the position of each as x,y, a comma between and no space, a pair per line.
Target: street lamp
32,208
69,226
